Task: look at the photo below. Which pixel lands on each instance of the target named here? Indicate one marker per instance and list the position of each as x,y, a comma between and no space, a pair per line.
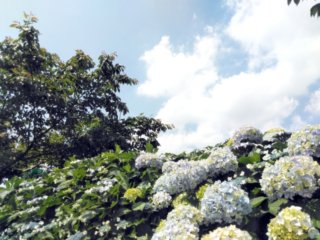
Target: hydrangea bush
131,195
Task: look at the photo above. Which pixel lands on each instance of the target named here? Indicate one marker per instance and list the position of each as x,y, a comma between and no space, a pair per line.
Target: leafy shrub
110,197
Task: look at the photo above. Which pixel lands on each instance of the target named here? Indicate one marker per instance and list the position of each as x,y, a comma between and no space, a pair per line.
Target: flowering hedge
266,185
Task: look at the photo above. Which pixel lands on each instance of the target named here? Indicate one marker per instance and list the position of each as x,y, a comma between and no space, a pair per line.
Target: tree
51,109
314,11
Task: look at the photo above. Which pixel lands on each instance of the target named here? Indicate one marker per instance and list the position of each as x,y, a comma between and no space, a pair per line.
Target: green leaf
316,223
117,149
252,158
127,168
149,148
274,207
79,174
255,202
139,206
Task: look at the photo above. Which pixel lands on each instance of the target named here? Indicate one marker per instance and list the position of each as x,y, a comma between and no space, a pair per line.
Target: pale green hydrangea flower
291,224
305,142
290,176
132,194
227,233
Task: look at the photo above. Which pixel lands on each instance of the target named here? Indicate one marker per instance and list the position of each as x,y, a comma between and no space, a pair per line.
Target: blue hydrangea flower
224,202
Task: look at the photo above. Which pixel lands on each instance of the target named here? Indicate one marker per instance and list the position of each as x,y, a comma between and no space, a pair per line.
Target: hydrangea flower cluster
180,177
290,176
227,233
224,202
161,200
132,194
291,224
220,161
182,223
247,134
274,134
145,160
186,175
102,186
305,142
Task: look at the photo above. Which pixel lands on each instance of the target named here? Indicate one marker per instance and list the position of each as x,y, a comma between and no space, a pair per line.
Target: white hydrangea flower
291,224
224,202
305,142
227,233
145,160
220,161
290,176
102,186
161,200
181,223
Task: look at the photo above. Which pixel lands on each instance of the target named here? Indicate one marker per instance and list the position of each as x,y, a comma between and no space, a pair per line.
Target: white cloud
313,106
284,56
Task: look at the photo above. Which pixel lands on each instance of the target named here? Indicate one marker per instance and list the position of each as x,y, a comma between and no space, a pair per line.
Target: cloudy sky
208,67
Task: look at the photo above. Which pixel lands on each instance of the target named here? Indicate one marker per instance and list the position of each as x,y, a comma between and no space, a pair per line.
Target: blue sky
208,67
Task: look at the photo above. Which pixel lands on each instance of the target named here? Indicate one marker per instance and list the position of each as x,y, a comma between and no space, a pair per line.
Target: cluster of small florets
161,200
220,161
132,194
181,223
103,186
305,142
186,175
291,224
24,230
274,134
145,160
224,202
227,233
247,134
180,177
290,176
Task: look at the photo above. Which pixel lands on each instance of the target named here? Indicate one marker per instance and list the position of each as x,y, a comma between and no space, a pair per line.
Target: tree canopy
51,109
314,11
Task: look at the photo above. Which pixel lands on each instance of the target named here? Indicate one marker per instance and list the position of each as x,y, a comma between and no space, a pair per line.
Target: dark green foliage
51,109
314,11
